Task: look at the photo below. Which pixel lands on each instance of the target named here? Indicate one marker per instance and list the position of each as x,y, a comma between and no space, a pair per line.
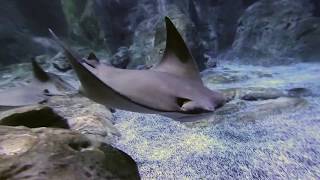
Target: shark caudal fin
177,58
38,72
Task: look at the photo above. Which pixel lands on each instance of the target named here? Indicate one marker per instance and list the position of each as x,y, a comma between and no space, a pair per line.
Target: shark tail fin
38,72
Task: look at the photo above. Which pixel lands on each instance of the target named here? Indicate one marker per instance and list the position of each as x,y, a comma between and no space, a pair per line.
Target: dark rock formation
259,31
299,92
21,24
83,22
40,15
118,21
278,32
33,117
46,153
122,58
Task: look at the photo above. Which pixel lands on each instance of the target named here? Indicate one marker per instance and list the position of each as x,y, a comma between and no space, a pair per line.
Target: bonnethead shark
172,88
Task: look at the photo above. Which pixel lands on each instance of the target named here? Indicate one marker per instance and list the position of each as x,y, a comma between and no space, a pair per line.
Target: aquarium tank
162,89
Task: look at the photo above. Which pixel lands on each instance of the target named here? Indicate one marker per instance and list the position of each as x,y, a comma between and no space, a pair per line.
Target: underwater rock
260,109
253,93
68,112
91,26
62,111
277,32
46,153
299,92
150,37
250,111
33,117
85,116
23,27
118,20
223,78
60,63
221,20
15,75
83,22
122,58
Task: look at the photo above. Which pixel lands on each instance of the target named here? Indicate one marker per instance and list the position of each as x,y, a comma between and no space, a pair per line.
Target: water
162,6
271,139
275,146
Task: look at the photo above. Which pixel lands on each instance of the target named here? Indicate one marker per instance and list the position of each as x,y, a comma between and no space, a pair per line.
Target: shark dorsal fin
38,72
74,59
92,60
92,56
177,58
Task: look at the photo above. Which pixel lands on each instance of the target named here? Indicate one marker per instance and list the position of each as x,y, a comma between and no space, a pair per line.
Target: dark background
264,32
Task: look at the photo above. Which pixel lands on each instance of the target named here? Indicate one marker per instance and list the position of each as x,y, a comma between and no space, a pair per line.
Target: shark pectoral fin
194,107
177,58
38,72
189,106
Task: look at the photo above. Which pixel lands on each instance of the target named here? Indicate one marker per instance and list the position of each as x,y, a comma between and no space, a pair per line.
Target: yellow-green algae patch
161,153
16,145
191,142
128,133
272,82
313,132
199,142
279,82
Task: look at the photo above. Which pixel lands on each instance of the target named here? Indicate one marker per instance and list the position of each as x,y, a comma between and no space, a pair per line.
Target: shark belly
155,90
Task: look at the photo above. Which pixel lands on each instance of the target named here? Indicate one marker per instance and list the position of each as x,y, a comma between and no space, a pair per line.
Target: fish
172,88
42,86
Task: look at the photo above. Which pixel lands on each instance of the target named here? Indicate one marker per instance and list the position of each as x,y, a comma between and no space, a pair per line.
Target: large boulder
68,112
46,153
277,32
83,22
116,19
150,35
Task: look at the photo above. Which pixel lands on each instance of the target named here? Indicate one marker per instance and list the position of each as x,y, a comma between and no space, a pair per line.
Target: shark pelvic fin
177,58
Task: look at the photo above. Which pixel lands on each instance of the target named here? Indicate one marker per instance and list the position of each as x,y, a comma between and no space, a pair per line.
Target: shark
171,88
42,86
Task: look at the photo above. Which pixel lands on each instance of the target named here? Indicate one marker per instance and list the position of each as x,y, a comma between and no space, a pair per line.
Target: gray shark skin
172,88
38,90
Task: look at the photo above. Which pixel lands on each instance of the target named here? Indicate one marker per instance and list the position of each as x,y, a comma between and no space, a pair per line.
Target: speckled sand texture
282,145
